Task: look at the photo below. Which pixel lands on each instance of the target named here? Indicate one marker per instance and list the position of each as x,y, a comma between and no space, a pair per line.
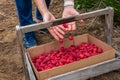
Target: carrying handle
59,21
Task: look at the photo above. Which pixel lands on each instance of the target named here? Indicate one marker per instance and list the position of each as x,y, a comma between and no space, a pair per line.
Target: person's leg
24,9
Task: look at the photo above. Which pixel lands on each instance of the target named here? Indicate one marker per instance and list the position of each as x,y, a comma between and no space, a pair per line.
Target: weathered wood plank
30,69
42,25
22,51
109,26
90,71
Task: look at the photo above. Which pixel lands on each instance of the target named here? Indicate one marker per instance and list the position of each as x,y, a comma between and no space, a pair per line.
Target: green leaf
78,6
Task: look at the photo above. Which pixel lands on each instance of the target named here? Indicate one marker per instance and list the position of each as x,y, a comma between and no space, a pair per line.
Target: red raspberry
65,25
61,40
70,37
81,21
99,50
81,56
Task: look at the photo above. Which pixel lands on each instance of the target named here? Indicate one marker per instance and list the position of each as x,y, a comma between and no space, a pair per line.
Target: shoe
43,31
30,40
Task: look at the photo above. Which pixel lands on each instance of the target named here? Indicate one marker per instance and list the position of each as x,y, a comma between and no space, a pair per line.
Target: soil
11,67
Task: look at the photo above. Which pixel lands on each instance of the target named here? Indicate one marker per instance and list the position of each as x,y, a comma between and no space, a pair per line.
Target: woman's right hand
56,31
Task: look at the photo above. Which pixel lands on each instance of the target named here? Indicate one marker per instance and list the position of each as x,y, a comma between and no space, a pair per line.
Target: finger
58,34
69,27
53,33
62,27
73,26
81,21
61,31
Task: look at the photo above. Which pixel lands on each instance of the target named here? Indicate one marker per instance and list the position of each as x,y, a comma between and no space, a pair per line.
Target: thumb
74,13
81,21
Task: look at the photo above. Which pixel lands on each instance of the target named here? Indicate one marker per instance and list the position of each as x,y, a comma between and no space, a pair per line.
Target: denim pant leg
24,9
38,15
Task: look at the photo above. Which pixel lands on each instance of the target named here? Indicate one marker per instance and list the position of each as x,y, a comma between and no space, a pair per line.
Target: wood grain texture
90,71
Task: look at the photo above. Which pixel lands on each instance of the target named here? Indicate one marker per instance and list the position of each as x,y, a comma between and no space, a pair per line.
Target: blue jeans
24,9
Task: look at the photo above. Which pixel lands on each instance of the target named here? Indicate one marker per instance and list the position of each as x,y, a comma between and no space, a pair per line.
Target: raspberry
70,37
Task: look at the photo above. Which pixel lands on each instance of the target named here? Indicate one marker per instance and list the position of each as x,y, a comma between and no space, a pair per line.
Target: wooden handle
59,21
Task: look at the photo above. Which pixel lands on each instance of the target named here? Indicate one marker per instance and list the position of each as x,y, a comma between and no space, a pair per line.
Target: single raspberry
70,37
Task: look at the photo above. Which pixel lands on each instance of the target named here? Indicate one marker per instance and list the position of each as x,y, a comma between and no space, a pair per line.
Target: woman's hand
56,31
70,11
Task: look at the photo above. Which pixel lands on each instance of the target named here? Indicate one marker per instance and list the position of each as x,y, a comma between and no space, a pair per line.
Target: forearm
41,6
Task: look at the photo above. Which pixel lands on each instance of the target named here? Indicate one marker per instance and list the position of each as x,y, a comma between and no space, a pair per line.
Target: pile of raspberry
65,56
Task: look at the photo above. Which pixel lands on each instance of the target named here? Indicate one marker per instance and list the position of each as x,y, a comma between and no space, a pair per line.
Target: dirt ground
11,67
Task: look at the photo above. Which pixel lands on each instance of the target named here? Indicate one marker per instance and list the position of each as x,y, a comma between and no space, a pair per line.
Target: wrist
45,12
70,6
